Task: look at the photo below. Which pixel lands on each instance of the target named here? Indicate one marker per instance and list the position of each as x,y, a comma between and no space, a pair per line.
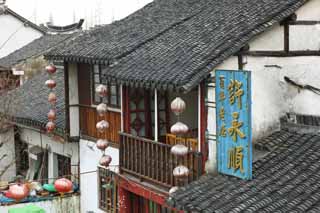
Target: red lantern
17,191
52,98
51,84
102,144
51,69
63,185
50,127
105,160
52,115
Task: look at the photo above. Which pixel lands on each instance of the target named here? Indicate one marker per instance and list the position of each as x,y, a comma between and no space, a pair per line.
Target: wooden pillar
124,200
203,124
156,122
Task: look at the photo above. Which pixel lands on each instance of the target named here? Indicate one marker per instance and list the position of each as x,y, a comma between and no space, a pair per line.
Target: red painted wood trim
124,199
143,192
203,125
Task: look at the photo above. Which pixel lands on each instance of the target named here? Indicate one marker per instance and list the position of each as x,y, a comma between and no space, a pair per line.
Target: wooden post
156,137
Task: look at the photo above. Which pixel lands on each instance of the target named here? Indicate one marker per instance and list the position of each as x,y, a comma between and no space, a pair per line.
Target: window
113,97
64,166
108,191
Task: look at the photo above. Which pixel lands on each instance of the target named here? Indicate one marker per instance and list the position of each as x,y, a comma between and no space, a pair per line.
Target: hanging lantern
63,185
51,83
101,90
102,109
50,127
17,191
181,172
102,126
52,98
51,69
173,190
179,150
179,128
178,105
105,160
102,144
52,115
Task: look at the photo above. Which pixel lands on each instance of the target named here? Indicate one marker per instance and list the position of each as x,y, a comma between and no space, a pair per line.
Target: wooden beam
283,53
302,22
286,37
156,122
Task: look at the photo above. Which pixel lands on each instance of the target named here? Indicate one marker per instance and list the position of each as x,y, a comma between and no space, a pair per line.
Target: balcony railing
89,118
152,161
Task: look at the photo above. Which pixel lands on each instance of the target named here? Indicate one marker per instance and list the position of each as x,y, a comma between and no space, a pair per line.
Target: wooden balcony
89,119
153,162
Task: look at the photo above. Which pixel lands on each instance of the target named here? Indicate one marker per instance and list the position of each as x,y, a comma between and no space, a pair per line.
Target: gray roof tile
286,180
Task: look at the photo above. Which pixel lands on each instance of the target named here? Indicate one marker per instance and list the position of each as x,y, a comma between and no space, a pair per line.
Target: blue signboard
233,115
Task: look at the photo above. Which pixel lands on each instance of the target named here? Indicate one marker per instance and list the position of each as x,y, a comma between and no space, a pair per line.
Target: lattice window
113,97
108,190
64,166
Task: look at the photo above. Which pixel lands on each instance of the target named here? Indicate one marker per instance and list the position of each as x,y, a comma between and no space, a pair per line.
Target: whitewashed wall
57,205
24,35
271,95
71,150
7,138
89,159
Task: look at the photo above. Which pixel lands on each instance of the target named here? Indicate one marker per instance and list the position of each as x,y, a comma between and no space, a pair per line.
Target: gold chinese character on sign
223,131
235,92
235,158
221,113
222,96
221,77
234,131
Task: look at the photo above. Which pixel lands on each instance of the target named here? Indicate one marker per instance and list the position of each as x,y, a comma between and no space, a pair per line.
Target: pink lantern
102,126
178,105
179,128
51,69
105,160
102,144
52,115
51,84
179,150
102,109
50,127
63,185
101,90
52,98
17,191
181,172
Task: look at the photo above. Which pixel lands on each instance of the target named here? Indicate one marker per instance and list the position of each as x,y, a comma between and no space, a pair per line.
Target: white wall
89,159
7,138
24,35
57,205
271,96
71,150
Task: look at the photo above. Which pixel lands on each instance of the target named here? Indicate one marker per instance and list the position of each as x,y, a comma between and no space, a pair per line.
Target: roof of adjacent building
30,101
285,180
6,10
175,43
35,48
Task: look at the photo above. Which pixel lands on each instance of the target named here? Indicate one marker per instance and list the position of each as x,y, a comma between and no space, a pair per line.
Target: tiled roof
31,101
285,180
175,43
35,48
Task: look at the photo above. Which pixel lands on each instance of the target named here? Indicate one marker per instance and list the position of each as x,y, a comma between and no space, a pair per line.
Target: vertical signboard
233,115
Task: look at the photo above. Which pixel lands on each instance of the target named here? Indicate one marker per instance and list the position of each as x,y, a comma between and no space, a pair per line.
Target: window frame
65,163
109,85
105,175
